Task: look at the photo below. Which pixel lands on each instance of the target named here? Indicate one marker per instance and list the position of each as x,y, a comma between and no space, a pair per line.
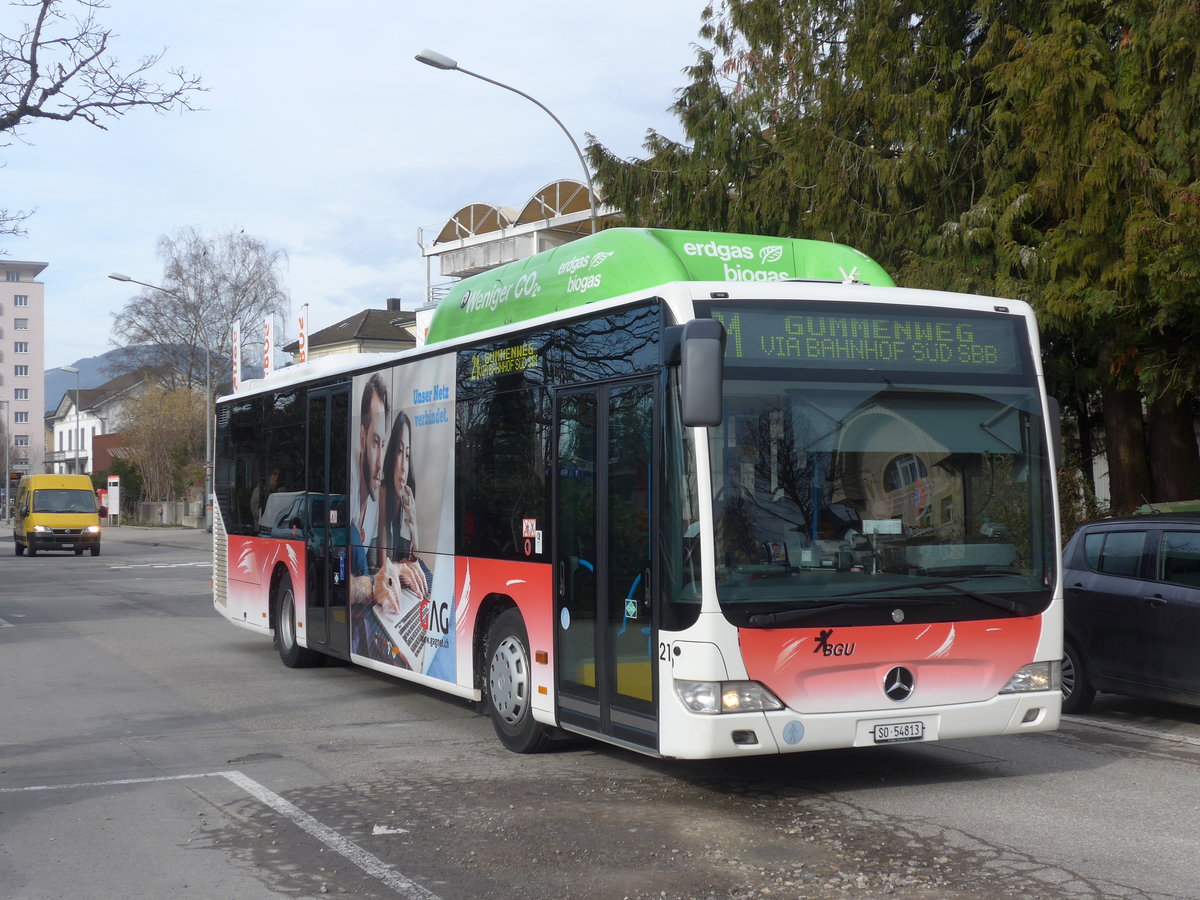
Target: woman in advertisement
398,511
403,582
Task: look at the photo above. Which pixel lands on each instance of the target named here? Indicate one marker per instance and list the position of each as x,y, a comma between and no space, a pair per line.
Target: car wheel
293,655
31,548
18,547
510,686
78,551
1077,691
96,550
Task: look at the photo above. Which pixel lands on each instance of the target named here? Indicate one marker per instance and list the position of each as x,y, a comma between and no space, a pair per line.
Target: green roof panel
624,260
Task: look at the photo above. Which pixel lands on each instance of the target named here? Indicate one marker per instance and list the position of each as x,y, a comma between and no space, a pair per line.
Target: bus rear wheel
293,655
510,686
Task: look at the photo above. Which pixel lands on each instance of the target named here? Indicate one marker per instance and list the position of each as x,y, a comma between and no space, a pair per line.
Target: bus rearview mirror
701,371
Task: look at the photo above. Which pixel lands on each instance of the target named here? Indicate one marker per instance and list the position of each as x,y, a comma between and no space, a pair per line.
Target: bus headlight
1039,676
715,697
93,529
42,529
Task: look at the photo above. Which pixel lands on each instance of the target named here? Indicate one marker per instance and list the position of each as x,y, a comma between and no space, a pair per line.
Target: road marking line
160,565
120,781
368,862
4,624
364,859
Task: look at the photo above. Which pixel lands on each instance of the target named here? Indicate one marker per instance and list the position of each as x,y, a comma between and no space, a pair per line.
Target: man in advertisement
364,520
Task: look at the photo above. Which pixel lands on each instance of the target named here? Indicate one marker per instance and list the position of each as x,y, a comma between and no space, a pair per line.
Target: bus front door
603,561
328,563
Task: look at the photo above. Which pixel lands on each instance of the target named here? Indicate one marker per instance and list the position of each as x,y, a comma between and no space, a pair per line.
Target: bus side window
243,435
501,471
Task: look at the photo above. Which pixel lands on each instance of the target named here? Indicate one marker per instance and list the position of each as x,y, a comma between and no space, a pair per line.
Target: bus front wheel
510,686
293,655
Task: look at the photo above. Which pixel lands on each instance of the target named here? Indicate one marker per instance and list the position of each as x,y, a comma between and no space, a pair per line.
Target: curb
160,537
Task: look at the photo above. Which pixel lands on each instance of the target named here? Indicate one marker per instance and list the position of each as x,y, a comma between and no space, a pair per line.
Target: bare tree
59,67
209,283
164,433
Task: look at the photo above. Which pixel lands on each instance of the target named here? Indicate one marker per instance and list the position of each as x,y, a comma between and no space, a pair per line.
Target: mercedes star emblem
898,683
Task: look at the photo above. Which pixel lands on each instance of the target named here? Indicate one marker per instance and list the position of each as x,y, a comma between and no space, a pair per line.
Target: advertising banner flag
302,343
268,347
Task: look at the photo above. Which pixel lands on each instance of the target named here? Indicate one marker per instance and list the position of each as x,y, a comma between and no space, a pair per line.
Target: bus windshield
838,494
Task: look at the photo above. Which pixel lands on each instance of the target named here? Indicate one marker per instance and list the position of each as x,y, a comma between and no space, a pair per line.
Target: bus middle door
328,470
603,569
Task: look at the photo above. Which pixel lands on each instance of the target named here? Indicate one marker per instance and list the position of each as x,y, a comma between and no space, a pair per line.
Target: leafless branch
59,68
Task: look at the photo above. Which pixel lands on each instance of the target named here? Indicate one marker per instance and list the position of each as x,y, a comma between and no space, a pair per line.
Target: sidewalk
159,536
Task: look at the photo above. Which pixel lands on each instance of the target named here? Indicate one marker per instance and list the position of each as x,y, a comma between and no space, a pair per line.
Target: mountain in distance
93,372
97,370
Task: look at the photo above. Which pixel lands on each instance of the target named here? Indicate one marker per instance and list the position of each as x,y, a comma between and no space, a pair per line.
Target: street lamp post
7,441
117,276
78,437
439,61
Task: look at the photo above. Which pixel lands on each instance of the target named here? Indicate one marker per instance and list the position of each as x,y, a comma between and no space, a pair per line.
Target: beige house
22,363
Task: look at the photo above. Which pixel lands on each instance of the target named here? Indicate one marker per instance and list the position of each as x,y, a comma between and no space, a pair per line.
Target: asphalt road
149,749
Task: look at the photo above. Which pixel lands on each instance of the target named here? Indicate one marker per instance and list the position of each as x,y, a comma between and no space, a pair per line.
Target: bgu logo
828,648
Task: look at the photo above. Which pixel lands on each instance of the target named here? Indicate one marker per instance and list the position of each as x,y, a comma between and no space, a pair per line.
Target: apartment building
23,363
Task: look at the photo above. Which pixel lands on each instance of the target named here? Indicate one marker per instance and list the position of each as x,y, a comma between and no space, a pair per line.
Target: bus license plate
892,732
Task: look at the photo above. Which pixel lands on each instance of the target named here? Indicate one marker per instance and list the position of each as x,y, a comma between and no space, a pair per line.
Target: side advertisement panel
251,562
402,517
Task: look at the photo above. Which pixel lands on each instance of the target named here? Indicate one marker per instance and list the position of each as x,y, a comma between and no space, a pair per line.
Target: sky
322,136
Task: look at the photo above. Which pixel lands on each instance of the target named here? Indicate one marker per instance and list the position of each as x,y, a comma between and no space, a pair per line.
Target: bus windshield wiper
759,620
860,599
988,599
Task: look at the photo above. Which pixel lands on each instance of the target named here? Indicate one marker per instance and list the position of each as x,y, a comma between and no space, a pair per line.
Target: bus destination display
901,340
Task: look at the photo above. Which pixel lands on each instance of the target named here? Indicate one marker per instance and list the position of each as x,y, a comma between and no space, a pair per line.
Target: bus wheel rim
509,680
287,620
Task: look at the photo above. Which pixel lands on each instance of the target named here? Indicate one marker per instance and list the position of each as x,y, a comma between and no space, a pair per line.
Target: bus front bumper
692,736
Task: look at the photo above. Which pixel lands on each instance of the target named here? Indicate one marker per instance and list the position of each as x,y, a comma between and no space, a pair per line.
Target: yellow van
56,512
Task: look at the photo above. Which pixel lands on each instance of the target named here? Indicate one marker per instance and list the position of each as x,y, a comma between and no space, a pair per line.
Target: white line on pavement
368,862
364,859
161,565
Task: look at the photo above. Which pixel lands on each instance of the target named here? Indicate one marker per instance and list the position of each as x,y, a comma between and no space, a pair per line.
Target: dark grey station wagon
1132,591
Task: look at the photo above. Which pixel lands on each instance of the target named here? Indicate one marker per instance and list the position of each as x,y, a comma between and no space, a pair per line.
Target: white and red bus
698,495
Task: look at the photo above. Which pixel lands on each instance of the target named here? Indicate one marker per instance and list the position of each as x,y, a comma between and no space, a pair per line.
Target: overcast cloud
324,137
